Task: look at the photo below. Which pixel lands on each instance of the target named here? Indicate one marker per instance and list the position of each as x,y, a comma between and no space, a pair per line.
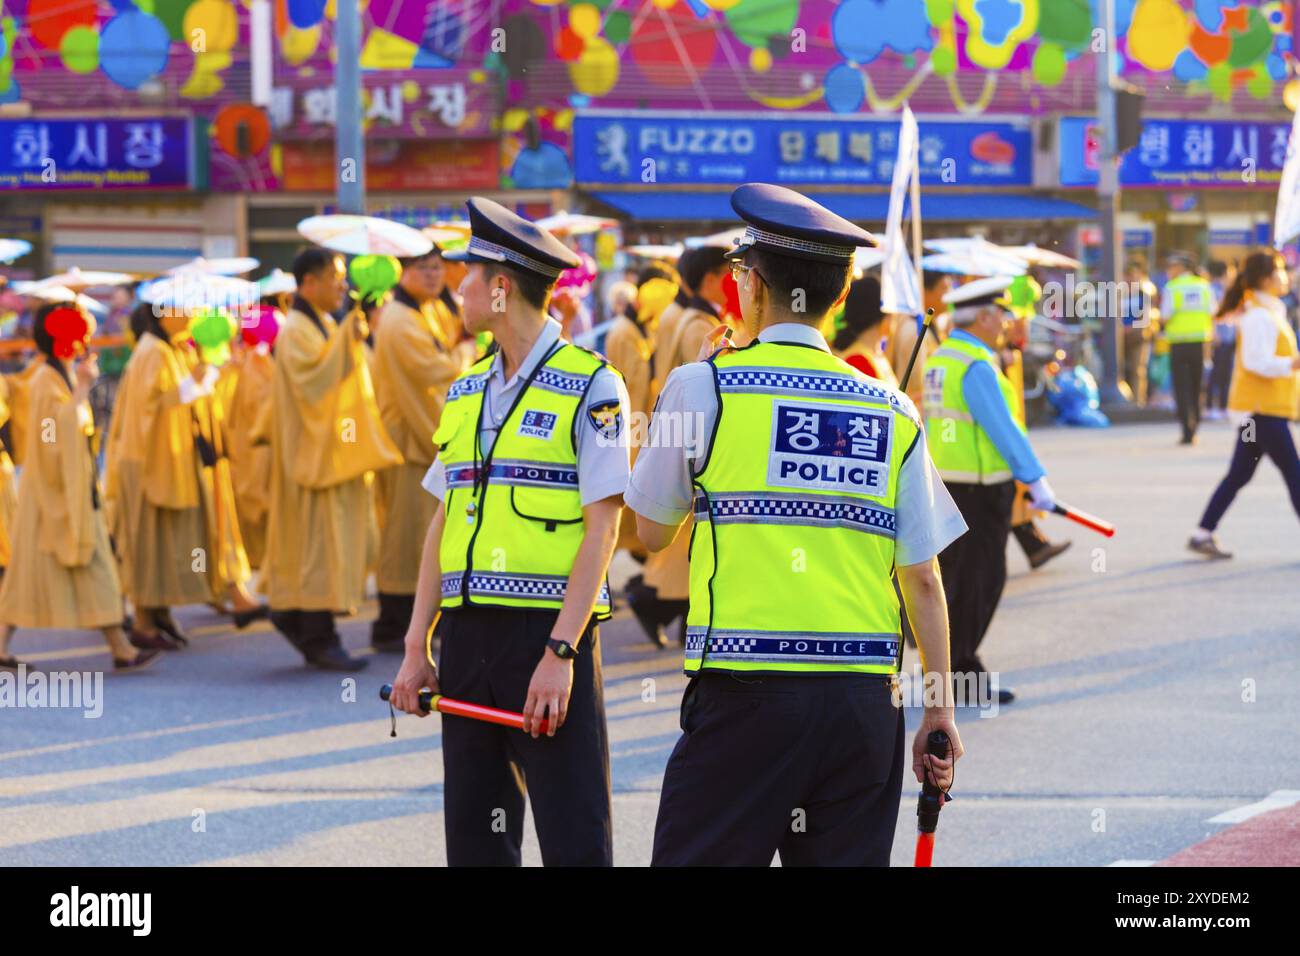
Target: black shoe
245,618
337,659
9,663
137,663
1046,553
1005,696
168,626
159,641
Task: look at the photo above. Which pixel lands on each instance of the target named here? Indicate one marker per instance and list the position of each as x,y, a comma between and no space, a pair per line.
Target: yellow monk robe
19,389
8,491
414,365
228,560
325,435
248,446
62,573
159,521
630,347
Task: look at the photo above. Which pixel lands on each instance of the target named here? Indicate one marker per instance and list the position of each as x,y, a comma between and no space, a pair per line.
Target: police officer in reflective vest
1188,307
532,463
810,484
979,445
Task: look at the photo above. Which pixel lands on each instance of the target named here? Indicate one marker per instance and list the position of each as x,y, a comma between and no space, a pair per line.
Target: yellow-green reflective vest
1190,318
516,545
793,544
962,451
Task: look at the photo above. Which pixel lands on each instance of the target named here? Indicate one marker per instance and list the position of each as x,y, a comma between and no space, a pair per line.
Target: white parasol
194,291
277,282
575,224
365,235
236,266
11,249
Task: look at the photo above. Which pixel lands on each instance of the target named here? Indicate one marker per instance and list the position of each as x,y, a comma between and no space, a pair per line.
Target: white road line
1274,801
1134,863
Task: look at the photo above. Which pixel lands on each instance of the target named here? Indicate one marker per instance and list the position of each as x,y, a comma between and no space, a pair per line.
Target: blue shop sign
674,149
93,153
1180,153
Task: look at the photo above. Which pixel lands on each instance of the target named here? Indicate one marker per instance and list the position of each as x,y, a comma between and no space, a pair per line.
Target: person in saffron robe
62,575
326,434
414,363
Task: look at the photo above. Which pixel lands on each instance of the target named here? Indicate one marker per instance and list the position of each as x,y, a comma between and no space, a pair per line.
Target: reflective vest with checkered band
517,547
793,543
1189,318
962,450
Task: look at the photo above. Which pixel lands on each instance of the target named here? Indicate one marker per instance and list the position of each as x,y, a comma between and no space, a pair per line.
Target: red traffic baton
1085,519
429,701
930,802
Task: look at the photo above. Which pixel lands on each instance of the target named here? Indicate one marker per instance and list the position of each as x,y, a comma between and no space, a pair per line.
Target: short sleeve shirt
661,489
603,464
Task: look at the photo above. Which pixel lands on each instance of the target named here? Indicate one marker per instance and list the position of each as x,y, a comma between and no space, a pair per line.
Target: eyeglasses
739,269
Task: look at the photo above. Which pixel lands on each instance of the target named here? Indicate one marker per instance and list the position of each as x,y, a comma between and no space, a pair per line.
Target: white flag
900,287
1286,224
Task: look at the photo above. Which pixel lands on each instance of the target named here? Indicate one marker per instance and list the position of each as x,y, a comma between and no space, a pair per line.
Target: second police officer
812,485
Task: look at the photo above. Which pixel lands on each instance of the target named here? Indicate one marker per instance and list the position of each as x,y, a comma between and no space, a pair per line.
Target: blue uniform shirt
984,399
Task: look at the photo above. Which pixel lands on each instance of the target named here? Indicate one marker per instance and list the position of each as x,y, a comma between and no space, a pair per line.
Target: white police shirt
681,431
603,458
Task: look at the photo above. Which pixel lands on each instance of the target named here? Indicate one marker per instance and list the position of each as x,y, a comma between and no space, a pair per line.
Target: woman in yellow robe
326,434
175,545
62,574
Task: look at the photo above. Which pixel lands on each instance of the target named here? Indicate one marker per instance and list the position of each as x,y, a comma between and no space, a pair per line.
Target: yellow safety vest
962,451
793,544
1190,318
514,512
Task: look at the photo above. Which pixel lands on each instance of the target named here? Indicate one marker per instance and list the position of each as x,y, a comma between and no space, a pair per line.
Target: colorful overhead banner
1180,153
92,153
684,148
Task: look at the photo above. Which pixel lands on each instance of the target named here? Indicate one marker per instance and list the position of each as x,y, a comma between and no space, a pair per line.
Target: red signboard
396,166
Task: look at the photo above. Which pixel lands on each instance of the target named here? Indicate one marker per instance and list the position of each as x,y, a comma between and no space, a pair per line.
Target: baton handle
429,701
930,802
1082,517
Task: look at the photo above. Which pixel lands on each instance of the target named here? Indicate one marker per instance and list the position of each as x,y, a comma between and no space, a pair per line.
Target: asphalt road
1156,691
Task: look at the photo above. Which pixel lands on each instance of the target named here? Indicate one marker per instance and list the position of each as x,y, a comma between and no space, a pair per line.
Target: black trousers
488,657
974,567
389,627
1187,366
807,767
1225,354
1270,436
311,632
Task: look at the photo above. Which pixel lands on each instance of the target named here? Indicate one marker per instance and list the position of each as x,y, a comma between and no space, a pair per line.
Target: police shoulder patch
606,418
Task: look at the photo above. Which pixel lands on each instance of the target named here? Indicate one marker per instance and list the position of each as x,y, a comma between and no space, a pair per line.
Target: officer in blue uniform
811,484
531,467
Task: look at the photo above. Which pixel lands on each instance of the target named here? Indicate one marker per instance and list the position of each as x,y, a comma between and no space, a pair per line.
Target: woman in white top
1263,393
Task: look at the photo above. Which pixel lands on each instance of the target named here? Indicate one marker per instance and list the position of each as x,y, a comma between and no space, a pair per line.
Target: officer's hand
548,694
712,341
940,770
416,673
1041,496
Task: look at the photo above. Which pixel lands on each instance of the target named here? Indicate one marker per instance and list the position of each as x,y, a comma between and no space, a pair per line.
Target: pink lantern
261,325
579,279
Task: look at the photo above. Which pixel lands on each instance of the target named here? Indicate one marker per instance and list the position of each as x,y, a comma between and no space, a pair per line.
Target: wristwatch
563,649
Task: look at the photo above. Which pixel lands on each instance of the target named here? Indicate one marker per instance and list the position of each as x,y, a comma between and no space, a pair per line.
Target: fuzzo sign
829,447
